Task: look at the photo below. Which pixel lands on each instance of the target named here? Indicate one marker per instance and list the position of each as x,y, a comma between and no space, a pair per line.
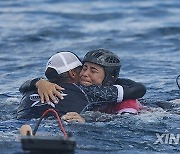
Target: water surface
146,36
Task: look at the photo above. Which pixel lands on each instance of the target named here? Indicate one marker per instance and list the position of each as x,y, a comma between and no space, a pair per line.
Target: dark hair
53,76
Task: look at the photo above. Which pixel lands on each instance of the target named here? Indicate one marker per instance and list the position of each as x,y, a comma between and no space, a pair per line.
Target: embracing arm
100,94
29,85
45,89
132,89
123,89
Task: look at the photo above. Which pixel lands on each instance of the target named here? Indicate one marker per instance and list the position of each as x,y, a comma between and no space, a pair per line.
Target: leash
178,81
58,118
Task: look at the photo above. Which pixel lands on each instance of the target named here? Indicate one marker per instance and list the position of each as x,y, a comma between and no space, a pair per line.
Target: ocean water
144,33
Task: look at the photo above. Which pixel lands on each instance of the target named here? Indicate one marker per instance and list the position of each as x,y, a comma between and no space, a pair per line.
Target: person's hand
73,116
48,90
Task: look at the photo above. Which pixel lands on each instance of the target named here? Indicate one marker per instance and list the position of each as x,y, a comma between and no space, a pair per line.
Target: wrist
120,93
35,81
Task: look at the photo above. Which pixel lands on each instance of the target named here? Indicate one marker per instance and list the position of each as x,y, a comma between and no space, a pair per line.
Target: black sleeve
29,85
132,89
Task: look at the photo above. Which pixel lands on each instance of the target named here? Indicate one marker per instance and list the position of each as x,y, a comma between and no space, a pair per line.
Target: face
91,74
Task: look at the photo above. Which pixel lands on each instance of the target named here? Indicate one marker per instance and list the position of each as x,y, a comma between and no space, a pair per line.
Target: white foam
175,101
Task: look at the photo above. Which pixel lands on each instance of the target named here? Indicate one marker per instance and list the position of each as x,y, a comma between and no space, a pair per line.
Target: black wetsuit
78,97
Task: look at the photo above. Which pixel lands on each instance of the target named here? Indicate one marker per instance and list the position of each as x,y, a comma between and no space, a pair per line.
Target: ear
72,74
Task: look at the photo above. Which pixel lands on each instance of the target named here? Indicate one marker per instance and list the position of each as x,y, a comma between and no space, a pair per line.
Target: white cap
63,62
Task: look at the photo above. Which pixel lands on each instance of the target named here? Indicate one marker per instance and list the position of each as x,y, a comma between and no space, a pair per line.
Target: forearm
134,92
29,85
132,89
97,94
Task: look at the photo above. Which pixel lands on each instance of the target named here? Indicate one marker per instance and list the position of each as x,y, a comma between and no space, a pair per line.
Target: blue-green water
145,34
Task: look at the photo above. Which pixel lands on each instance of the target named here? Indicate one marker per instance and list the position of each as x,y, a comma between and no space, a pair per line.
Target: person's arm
95,93
100,94
29,85
46,89
132,89
123,90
